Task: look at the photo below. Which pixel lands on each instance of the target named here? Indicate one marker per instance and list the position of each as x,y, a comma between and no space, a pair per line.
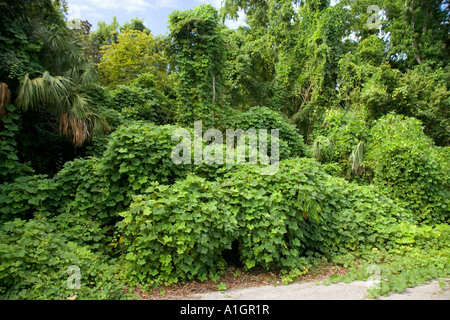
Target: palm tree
60,94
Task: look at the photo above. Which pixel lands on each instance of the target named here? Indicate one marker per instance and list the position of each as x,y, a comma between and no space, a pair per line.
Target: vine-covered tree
197,43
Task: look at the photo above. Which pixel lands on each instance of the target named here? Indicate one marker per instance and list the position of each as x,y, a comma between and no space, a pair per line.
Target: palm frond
82,73
357,157
58,95
63,51
5,96
45,91
73,128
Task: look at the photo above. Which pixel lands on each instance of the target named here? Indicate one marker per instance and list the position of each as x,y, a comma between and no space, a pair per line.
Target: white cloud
171,4
235,24
75,11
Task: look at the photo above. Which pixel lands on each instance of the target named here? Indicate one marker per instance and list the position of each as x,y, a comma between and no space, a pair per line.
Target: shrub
177,233
83,208
137,155
27,196
302,211
100,96
82,186
34,262
344,130
240,152
141,100
407,165
277,215
361,220
291,142
140,153
322,149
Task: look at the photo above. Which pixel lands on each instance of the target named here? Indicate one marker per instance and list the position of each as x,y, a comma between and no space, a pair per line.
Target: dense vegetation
87,119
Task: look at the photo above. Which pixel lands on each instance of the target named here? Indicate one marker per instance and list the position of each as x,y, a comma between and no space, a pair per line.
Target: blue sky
154,12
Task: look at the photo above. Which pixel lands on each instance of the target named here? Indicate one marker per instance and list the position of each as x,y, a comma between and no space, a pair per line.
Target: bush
34,262
27,196
278,216
291,142
136,156
83,208
322,150
141,100
301,211
177,233
362,221
140,153
407,165
83,188
345,130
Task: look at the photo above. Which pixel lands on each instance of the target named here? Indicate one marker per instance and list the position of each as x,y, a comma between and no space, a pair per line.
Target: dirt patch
233,278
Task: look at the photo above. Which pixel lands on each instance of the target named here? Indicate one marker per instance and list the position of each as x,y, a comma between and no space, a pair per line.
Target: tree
59,96
135,24
134,53
49,67
105,35
419,31
198,46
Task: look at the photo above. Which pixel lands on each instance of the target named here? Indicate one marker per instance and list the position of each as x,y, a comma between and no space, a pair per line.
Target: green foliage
423,93
24,31
10,167
356,68
135,24
134,53
177,233
291,142
345,130
142,101
142,151
277,215
222,286
414,255
408,166
279,221
35,258
341,142
198,47
322,149
301,210
136,156
27,196
129,216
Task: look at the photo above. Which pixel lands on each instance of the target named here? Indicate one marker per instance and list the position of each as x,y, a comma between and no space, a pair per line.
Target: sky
155,13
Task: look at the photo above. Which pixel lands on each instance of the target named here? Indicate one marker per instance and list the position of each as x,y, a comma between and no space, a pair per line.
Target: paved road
317,291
